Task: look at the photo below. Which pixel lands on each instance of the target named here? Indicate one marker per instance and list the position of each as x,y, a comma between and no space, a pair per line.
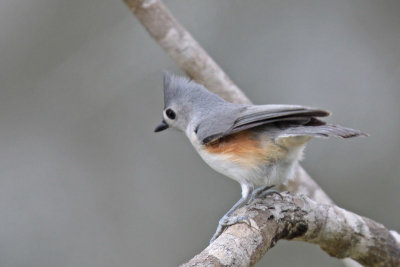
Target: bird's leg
263,191
226,220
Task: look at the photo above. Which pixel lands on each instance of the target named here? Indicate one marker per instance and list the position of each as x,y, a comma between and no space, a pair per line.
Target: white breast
265,174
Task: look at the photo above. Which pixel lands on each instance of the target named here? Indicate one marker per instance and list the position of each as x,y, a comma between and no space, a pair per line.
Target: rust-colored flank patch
247,149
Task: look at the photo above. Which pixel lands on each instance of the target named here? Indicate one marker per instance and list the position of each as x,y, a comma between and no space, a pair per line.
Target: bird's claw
263,192
234,220
270,193
228,221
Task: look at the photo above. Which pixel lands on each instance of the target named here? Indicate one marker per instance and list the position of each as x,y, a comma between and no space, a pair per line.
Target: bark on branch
338,232
191,57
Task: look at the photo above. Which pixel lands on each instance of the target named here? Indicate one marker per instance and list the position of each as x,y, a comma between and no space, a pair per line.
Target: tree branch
338,232
191,57
184,49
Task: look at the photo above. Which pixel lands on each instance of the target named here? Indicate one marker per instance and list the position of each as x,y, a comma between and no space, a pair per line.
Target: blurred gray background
85,182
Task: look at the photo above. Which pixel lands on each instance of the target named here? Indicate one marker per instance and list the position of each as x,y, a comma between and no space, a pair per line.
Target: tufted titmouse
256,145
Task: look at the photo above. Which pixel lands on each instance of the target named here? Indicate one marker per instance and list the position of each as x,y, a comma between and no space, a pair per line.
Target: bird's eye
170,114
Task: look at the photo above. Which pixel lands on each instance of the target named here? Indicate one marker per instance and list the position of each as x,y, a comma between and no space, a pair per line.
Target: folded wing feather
293,121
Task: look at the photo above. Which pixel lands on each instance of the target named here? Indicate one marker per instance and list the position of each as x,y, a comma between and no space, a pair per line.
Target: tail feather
323,131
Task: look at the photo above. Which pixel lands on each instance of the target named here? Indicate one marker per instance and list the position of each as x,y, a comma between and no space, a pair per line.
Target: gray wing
246,117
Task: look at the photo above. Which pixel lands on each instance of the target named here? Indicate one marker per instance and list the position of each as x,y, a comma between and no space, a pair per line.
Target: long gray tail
324,131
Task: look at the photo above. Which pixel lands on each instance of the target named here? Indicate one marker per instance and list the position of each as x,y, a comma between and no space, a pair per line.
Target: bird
259,146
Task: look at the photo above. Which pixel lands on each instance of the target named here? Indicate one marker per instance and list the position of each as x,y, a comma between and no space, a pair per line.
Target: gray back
213,118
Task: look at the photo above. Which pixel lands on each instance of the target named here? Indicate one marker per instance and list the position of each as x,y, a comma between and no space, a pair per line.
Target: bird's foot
263,192
227,221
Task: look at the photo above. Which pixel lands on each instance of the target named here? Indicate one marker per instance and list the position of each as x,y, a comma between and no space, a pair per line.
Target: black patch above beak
161,127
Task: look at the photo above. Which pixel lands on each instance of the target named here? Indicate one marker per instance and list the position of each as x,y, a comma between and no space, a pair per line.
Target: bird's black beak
161,127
